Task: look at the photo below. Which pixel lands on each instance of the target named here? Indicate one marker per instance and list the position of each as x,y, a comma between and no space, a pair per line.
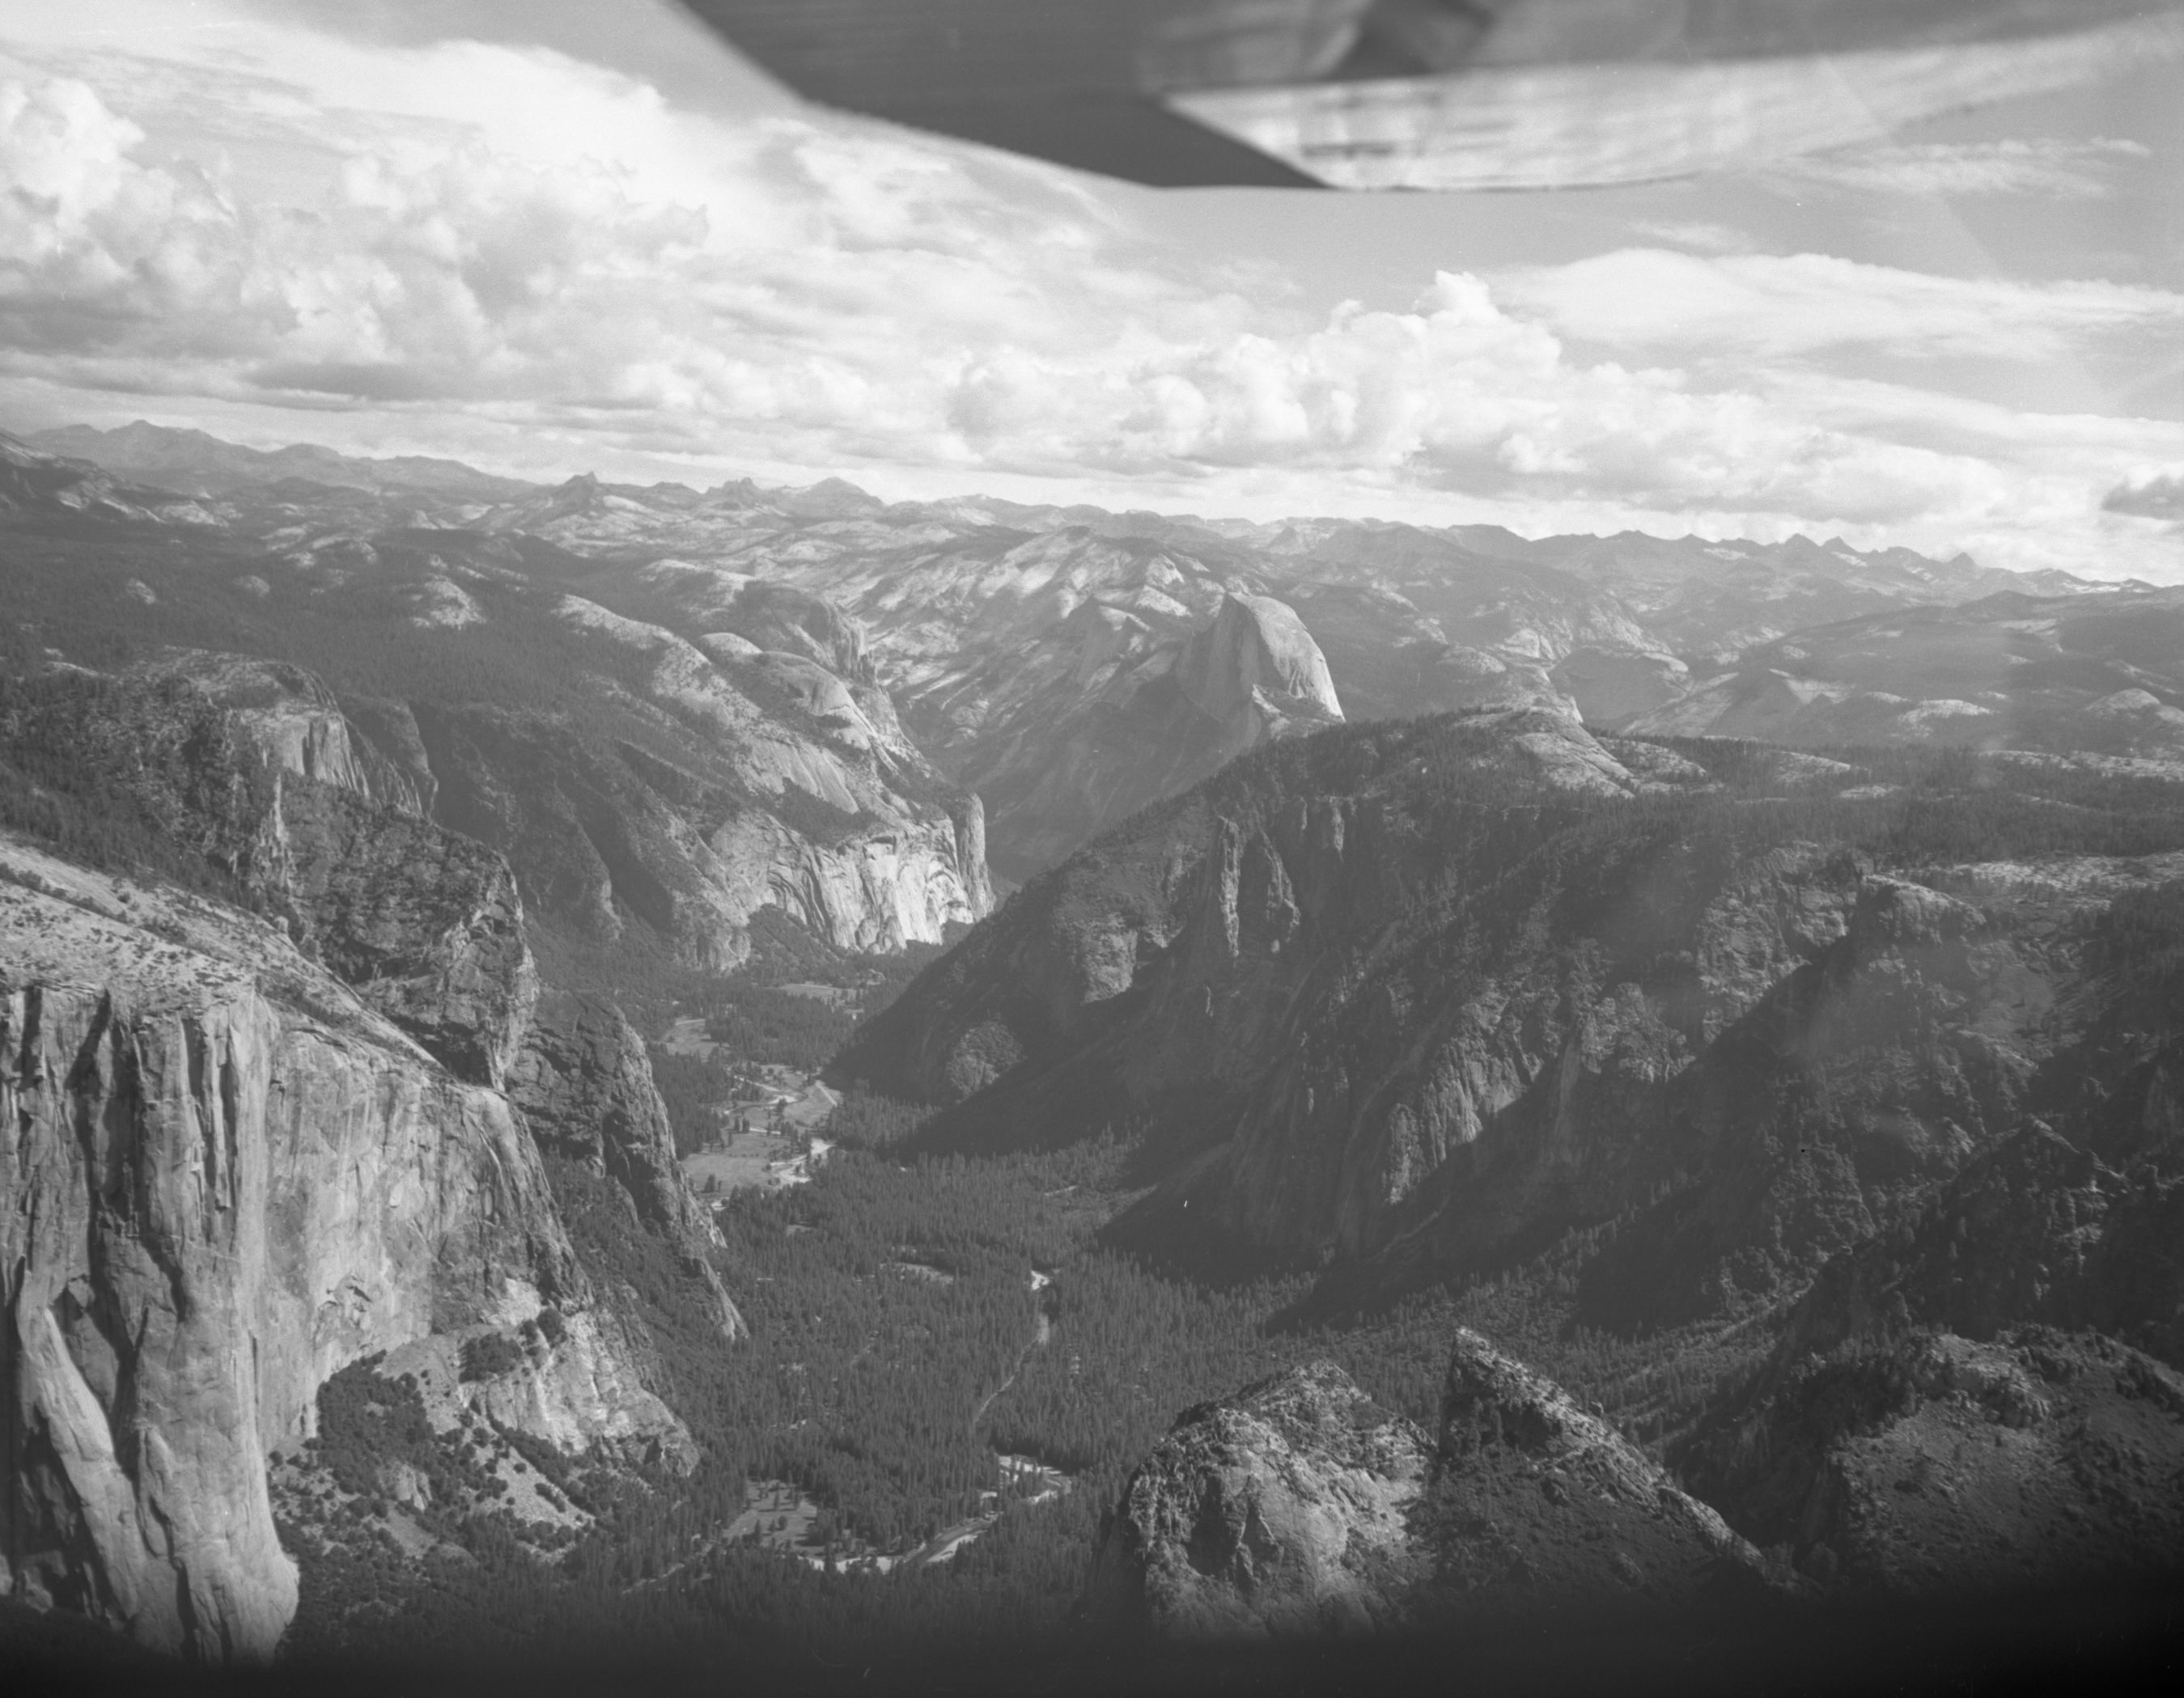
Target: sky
548,236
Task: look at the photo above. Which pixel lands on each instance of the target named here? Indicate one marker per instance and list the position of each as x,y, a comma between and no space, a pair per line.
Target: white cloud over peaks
501,241
760,274
91,243
1796,304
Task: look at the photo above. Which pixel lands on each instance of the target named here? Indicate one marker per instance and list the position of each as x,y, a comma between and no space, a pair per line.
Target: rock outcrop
1257,673
1280,1511
282,715
579,1388
426,925
230,1177
251,765
584,1084
1299,1508
1536,1503
1109,711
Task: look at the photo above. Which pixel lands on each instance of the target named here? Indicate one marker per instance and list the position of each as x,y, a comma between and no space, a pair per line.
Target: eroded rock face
287,717
251,764
580,1391
229,1177
1281,1511
1107,710
705,782
1536,1502
1300,1507
2041,1231
426,925
584,1084
1410,992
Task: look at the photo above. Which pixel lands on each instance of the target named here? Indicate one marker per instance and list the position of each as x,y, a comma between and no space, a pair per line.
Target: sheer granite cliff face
229,1175
695,784
679,785
584,1085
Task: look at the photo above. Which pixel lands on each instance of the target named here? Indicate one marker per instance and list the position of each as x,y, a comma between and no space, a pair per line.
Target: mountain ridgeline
1414,996
1514,1075
1053,660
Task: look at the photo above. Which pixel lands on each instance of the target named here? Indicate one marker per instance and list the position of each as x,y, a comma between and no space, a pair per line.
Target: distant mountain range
192,463
1053,659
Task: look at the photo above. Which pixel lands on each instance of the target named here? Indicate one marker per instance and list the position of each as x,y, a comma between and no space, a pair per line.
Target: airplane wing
1429,94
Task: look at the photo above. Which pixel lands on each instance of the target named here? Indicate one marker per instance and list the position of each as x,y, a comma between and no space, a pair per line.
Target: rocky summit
1281,1511
1301,1508
1538,1503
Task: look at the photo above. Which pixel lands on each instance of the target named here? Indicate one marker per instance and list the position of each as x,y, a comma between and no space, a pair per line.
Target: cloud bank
500,245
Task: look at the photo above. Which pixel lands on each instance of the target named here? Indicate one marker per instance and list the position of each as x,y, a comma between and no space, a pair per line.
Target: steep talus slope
1299,1508
231,1175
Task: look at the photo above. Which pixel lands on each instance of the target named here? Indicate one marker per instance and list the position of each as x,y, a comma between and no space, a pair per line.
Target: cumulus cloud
2050,167
573,262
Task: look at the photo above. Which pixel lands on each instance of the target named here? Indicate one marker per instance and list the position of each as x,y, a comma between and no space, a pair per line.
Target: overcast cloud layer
539,264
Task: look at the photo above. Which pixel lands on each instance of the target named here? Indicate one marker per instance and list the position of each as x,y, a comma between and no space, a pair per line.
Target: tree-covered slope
1423,996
